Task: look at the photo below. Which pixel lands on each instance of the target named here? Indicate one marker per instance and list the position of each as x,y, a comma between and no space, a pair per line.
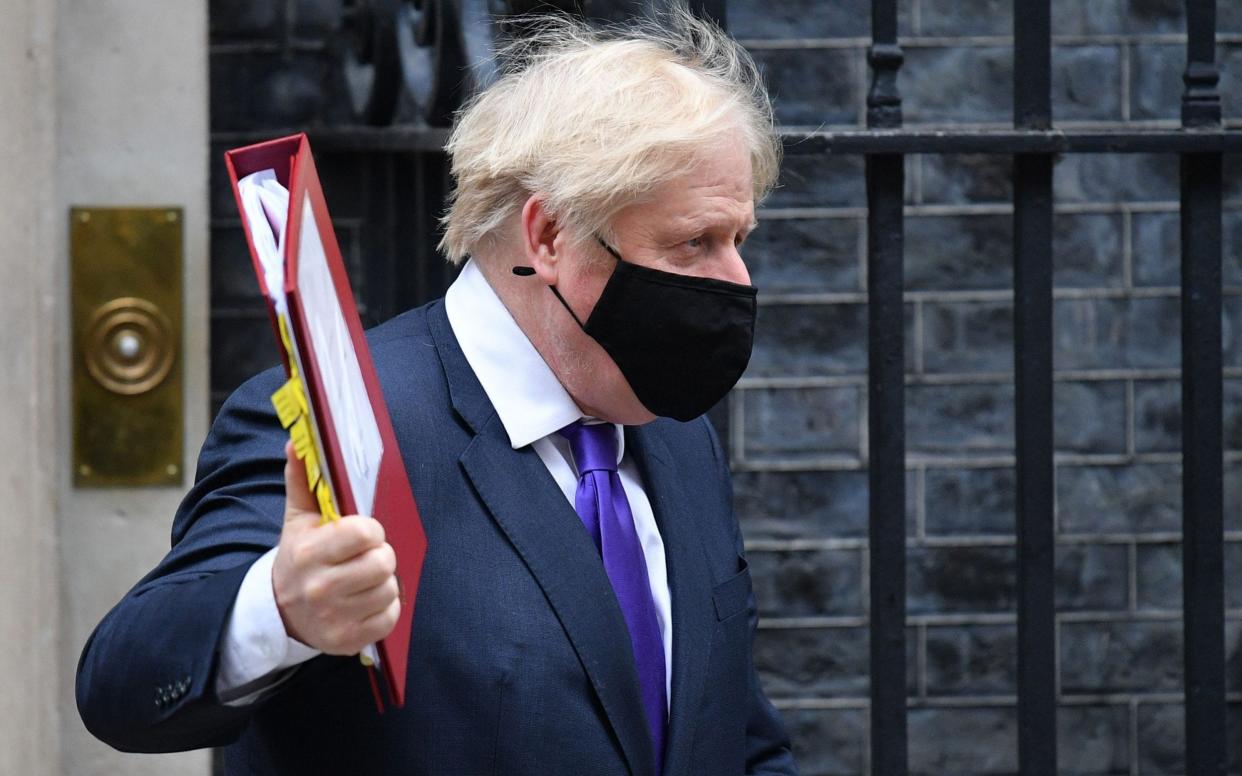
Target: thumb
298,497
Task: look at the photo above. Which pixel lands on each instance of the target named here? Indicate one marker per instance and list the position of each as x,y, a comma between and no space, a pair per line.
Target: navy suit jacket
520,661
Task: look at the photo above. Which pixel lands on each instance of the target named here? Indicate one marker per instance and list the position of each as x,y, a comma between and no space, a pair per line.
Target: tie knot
594,446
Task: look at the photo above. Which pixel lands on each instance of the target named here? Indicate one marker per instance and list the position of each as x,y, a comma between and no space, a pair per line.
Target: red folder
393,501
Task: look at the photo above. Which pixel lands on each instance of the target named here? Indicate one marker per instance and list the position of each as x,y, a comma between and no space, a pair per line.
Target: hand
334,584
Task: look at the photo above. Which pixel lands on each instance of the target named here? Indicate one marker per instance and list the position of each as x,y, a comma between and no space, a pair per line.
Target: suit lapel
690,585
542,526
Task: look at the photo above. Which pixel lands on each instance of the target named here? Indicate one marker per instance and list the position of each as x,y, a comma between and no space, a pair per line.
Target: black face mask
681,341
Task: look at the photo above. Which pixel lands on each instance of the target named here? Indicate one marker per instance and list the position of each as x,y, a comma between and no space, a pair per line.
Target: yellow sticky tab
326,510
312,469
300,433
283,323
288,401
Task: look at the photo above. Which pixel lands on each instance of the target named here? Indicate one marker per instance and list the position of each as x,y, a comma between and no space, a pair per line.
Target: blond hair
593,119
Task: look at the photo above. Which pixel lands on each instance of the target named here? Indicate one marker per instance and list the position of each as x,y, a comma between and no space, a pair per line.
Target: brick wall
798,431
797,423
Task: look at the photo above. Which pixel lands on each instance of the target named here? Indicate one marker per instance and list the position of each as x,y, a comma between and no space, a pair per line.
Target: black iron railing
448,37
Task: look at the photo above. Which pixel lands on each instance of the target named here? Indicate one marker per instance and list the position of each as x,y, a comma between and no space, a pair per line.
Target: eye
695,242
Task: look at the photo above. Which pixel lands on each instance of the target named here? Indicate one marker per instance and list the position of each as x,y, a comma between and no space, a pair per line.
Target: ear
539,240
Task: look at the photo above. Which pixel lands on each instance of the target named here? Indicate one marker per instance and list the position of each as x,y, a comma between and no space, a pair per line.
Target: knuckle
316,591
389,557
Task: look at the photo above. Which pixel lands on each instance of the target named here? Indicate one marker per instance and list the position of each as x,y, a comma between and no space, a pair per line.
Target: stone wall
799,417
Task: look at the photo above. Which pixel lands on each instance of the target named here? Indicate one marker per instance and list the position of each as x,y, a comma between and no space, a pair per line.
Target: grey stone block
754,19
1094,577
1162,738
812,662
955,18
1232,174
800,423
807,583
1089,417
1159,575
1116,178
954,85
1233,496
963,742
1093,740
1231,331
972,660
1157,415
1231,225
970,501
960,579
1086,83
828,742
1117,333
806,504
1156,81
959,252
960,418
959,179
805,255
1086,250
1157,250
1121,657
1098,17
1230,58
1156,16
233,19
802,339
810,87
967,337
824,180
1139,498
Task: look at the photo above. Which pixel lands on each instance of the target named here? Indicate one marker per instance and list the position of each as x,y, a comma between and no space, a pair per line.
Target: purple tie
605,512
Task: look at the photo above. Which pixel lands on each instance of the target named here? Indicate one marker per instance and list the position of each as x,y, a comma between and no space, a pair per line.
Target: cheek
583,286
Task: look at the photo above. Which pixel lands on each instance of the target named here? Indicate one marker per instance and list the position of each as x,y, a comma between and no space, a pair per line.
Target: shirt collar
529,400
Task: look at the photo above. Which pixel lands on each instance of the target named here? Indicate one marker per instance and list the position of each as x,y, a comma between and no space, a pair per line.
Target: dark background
796,425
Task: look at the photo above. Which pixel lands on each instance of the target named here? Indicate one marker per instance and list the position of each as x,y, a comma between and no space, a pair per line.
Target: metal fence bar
886,406
1202,447
1032,235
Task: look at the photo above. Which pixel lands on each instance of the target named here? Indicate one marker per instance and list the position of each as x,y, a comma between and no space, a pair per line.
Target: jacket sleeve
768,750
146,678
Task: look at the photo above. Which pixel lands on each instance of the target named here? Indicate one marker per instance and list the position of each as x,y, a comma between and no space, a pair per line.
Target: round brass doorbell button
129,346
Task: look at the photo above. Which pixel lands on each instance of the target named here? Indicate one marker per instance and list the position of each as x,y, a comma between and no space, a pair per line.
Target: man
585,606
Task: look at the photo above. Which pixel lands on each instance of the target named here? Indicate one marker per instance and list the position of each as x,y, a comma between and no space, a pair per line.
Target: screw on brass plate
85,470
171,215
84,217
171,469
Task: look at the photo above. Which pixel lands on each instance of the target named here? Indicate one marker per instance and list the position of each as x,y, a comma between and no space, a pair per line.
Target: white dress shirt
532,405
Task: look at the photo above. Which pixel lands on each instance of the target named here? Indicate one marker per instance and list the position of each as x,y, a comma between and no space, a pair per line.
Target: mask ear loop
525,272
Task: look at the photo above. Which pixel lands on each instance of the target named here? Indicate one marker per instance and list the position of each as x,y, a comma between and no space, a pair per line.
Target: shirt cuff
255,644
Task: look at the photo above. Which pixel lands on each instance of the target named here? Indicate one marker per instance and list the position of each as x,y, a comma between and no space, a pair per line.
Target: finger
380,624
363,572
298,498
347,539
373,600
